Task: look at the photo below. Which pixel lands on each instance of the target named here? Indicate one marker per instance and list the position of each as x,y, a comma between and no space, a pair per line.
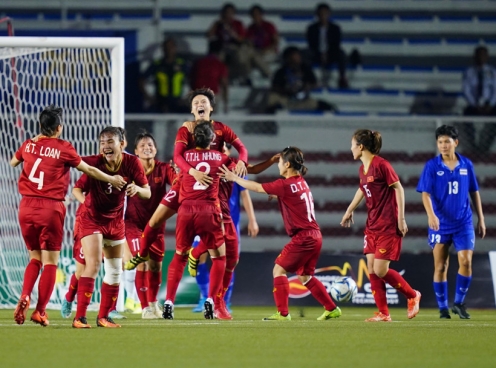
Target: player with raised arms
138,212
43,185
386,225
102,225
300,255
447,184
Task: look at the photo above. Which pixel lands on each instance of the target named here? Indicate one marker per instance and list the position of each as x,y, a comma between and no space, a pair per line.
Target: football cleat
137,308
192,264
80,322
21,309
148,313
155,308
106,322
413,305
199,307
335,313
41,319
278,317
168,312
116,315
379,317
460,309
66,309
444,313
208,308
221,312
135,261
129,305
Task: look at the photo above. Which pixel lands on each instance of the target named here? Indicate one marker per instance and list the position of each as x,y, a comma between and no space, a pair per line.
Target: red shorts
114,230
232,244
202,219
387,247
134,236
42,223
171,198
77,249
300,255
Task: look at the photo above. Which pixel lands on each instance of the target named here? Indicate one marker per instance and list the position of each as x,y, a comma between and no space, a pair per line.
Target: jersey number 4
32,175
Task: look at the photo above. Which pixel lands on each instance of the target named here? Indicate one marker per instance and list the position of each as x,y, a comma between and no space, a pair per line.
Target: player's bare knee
278,271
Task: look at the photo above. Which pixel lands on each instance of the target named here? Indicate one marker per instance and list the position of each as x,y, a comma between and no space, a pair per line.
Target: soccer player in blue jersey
447,184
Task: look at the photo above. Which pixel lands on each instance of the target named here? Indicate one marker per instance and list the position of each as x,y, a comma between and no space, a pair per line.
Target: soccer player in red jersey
386,224
300,255
79,190
200,214
102,225
202,103
138,212
43,185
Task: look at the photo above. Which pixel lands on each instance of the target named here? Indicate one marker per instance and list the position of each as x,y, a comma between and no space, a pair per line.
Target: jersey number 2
198,185
37,180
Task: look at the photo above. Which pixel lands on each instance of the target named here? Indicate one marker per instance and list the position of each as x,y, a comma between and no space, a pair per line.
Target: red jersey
185,141
225,191
45,172
139,211
208,72
83,184
107,203
261,36
209,162
295,202
380,198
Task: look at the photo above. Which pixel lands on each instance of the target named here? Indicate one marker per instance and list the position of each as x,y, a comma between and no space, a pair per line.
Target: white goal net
86,78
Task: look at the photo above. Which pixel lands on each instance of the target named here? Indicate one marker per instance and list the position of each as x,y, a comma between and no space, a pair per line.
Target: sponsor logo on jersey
440,173
218,132
463,172
157,180
370,179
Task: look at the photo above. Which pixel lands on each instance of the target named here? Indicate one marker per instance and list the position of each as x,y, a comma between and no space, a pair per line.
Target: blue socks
462,285
203,279
441,291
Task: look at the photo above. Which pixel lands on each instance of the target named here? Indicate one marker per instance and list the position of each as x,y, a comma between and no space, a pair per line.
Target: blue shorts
463,239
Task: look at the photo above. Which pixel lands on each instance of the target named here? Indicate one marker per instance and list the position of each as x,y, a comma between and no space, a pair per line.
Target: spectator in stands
292,84
324,43
238,54
479,89
211,72
169,76
263,36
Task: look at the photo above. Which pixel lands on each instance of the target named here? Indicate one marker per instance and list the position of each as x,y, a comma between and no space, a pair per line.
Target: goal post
84,76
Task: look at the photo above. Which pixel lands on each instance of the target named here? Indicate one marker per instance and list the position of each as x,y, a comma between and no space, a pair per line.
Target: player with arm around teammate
138,213
300,255
102,226
447,183
43,184
386,224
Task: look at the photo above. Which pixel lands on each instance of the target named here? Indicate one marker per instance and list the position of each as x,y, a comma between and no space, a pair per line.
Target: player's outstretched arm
14,162
400,200
250,213
78,194
262,166
143,192
347,219
481,225
432,219
248,184
117,181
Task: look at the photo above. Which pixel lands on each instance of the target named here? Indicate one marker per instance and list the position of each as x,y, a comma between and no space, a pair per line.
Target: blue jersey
449,191
234,204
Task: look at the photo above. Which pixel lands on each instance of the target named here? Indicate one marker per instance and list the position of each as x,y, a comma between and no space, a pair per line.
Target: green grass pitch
247,341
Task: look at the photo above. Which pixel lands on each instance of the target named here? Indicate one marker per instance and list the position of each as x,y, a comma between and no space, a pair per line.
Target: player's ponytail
294,156
203,134
50,119
370,139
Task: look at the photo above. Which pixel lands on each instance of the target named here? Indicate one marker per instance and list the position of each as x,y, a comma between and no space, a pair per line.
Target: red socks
154,281
30,276
86,287
147,239
397,281
217,272
109,296
379,292
320,293
199,250
45,286
73,287
281,294
141,282
174,275
226,281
